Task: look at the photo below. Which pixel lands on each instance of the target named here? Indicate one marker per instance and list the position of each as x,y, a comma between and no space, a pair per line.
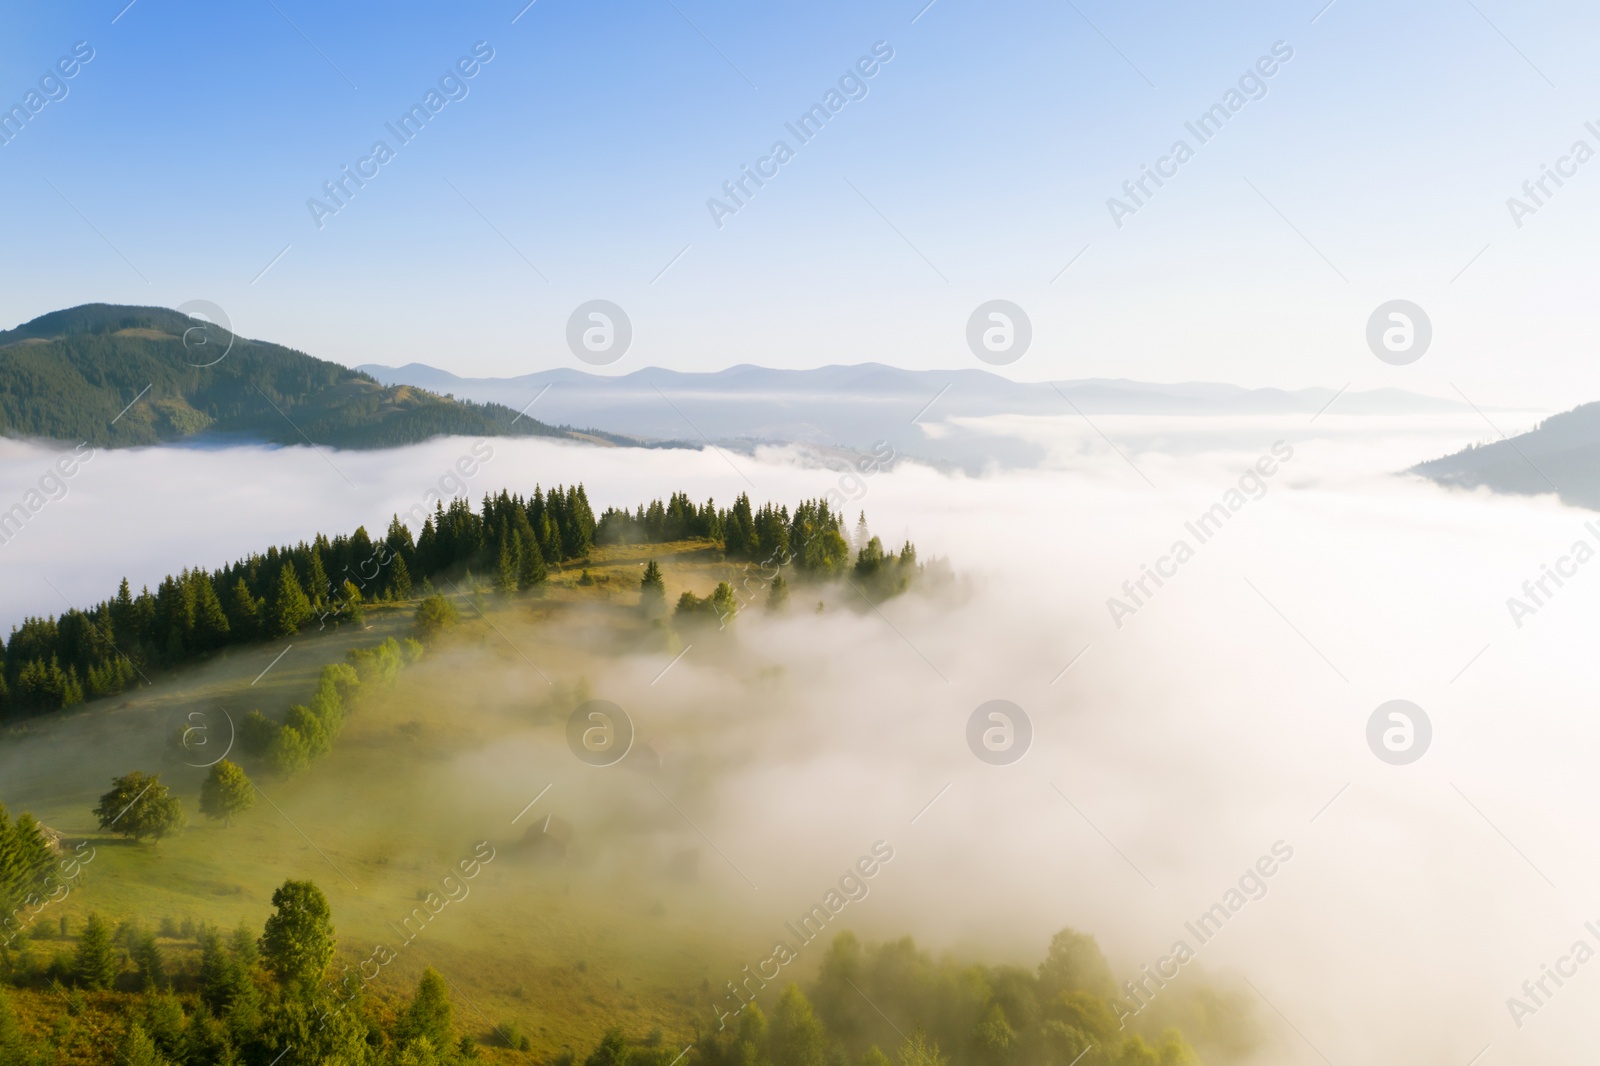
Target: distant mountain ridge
118,376
873,382
853,406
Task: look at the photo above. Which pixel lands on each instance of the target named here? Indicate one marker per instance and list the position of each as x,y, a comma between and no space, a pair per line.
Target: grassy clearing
423,772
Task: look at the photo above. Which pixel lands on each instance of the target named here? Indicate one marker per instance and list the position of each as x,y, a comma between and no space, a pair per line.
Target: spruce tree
210,620
612,1050
95,965
531,567
317,583
244,612
428,1016
399,579
217,970
290,609
652,591
797,1037
778,594
149,962
506,566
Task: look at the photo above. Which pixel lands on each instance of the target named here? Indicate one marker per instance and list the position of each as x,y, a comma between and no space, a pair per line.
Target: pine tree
244,612
149,962
95,965
506,566
317,583
739,537
216,979
532,570
797,1037
399,579
611,1051
290,609
870,559
25,857
652,592
210,620
428,1016
918,1050
137,1049
226,792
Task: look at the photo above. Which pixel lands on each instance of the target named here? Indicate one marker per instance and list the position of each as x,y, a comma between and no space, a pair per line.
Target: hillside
1560,455
72,375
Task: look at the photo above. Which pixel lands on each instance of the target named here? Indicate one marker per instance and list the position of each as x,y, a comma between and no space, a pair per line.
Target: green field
562,948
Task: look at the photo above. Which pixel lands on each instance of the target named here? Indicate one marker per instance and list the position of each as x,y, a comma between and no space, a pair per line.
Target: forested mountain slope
118,376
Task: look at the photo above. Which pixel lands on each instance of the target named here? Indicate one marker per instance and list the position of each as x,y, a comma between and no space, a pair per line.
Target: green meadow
560,950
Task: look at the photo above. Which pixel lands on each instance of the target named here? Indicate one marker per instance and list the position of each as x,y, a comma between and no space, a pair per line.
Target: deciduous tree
297,943
140,806
226,792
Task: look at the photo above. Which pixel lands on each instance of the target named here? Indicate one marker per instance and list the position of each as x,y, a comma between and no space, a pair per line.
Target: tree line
54,662
253,999
235,999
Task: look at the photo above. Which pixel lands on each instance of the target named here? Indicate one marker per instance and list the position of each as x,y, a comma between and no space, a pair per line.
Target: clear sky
579,162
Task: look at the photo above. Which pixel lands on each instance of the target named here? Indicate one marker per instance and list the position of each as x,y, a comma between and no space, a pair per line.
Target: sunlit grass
562,950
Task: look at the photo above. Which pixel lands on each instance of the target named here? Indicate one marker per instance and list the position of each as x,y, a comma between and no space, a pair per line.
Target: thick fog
1202,723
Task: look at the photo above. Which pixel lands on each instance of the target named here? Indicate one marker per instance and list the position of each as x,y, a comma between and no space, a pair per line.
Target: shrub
434,615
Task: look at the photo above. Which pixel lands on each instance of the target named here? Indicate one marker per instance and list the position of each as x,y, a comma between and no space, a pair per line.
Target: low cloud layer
1226,714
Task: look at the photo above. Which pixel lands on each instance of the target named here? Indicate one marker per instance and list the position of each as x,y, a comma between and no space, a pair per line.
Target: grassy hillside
70,374
628,934
562,950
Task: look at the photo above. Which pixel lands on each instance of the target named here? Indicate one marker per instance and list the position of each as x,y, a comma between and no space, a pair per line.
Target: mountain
1560,455
932,414
118,376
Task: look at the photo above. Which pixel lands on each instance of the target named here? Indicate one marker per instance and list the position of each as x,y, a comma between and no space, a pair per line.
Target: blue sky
979,163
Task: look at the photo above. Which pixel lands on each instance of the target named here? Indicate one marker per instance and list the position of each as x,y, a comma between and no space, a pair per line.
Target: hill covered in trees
1559,455
117,376
511,542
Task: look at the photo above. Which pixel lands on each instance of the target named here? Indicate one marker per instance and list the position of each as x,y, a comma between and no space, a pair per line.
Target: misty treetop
55,662
893,1003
